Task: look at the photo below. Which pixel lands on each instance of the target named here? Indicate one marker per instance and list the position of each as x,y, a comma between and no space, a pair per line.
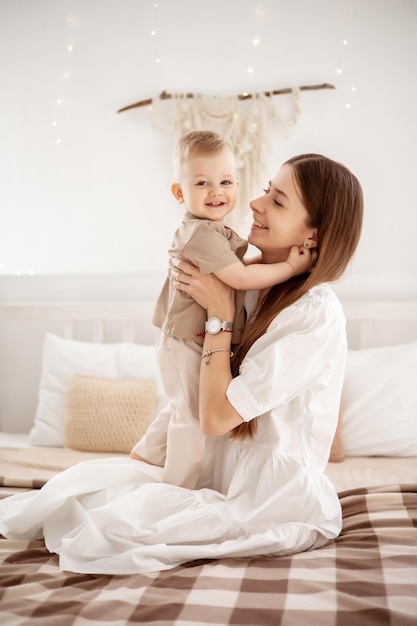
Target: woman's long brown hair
333,198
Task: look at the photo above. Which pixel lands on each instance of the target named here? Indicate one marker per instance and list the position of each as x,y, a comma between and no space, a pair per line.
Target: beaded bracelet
208,354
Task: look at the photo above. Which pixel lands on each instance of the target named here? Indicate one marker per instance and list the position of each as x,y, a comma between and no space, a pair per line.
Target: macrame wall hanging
244,121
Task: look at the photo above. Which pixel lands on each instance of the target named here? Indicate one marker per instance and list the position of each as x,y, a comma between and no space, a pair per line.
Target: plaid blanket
366,577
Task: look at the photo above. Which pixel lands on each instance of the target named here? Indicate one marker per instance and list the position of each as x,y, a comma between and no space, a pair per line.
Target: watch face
213,325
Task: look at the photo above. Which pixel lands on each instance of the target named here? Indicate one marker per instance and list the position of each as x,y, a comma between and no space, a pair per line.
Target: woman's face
279,218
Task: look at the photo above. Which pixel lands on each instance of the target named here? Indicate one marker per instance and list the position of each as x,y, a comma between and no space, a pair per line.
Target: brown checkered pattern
366,577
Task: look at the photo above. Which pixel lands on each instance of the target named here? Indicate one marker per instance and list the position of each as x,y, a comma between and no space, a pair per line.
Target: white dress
265,496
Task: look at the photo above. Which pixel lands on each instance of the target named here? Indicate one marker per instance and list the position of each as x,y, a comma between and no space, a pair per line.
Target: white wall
98,202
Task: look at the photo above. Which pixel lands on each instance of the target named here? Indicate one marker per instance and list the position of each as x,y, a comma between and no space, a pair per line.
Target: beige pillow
337,451
108,415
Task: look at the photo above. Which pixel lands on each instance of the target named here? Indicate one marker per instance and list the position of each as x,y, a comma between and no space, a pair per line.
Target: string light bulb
64,77
256,41
342,49
155,51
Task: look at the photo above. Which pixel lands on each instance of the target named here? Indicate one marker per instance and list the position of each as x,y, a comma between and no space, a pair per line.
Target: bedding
367,576
79,380
379,401
62,359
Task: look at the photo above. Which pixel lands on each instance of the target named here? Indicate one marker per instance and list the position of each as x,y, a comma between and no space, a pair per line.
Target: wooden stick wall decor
244,96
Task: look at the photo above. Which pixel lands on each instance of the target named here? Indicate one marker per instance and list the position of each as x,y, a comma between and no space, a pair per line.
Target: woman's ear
177,192
311,242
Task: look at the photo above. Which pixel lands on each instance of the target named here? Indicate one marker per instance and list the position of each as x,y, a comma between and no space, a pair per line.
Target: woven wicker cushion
108,415
337,452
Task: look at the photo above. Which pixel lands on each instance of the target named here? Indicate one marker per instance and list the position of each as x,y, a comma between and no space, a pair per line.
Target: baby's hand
301,259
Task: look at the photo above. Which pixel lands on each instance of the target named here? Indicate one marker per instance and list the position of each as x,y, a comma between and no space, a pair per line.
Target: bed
60,361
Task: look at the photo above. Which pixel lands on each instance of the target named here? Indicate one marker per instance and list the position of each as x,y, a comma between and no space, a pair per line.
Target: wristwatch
214,326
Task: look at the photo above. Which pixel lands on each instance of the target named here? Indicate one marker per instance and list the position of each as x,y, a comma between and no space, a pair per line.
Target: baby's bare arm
262,275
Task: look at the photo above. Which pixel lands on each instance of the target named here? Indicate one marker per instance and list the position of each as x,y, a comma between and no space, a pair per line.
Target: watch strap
219,326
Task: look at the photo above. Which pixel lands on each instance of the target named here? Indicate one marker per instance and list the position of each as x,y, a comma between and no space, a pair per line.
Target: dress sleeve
300,350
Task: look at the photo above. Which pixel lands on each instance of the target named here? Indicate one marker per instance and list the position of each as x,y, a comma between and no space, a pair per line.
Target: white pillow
379,402
62,358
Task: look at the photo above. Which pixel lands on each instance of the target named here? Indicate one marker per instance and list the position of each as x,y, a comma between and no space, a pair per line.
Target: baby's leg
185,441
185,450
152,446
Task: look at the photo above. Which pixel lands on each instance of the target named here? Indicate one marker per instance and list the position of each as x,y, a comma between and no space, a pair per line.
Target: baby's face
209,184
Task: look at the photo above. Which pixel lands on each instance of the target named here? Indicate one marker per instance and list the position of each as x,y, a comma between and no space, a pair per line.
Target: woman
270,414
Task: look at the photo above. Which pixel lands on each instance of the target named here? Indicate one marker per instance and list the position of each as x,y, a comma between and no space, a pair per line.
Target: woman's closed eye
276,202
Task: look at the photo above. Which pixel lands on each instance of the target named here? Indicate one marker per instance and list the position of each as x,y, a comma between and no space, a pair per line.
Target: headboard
371,324
23,326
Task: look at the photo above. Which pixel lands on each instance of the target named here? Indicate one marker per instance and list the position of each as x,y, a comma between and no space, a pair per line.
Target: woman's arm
217,415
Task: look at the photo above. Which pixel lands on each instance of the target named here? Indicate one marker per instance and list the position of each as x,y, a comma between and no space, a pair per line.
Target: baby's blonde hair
196,143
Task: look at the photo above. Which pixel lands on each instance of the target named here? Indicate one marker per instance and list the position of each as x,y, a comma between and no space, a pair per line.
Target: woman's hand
206,289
